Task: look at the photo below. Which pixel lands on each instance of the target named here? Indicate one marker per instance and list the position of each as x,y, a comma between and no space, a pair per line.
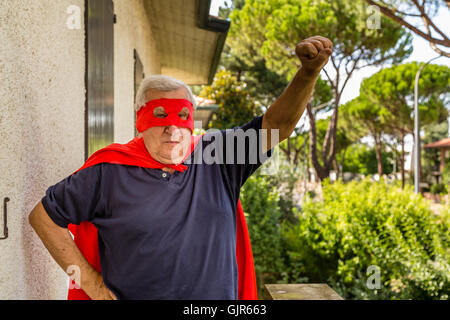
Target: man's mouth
173,143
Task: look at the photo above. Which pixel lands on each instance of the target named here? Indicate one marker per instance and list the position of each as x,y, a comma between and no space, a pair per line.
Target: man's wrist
89,280
308,74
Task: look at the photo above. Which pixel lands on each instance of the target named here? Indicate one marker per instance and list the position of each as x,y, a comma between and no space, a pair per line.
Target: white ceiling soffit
188,39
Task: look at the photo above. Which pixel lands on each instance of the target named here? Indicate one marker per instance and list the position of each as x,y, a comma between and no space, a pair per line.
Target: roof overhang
204,111
189,40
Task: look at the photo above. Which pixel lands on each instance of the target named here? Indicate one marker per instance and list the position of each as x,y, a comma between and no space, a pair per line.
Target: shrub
362,224
359,158
284,182
260,204
235,105
446,174
438,188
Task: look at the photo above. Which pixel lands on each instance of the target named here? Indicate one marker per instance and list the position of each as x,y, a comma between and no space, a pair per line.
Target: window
99,117
138,77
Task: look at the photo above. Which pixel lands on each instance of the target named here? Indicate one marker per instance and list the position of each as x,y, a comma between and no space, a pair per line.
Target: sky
422,52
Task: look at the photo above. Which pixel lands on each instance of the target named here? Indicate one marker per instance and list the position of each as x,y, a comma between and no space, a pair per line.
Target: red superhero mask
172,111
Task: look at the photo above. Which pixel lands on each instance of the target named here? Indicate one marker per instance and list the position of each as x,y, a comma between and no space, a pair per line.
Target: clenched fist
314,52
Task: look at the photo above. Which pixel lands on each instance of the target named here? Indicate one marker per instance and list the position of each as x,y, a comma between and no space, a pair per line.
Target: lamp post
417,128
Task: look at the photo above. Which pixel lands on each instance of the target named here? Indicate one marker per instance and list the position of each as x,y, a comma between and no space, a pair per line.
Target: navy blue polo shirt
162,235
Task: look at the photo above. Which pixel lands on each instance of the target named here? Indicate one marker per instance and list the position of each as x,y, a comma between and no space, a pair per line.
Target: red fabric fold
135,153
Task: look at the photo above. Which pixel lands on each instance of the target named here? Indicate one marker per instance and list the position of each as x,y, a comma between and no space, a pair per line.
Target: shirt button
164,175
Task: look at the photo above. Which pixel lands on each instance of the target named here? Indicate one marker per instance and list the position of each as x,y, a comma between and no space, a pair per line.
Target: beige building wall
41,132
132,31
42,101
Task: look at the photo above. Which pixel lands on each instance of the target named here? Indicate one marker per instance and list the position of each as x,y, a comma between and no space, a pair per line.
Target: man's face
168,144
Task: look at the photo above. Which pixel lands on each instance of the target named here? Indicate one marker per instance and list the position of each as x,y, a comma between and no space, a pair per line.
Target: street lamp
417,128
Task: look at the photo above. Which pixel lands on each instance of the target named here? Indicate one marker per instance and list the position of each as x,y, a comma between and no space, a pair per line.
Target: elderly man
166,225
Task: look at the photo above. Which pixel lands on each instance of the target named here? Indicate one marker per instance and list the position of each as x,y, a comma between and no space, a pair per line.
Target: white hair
162,83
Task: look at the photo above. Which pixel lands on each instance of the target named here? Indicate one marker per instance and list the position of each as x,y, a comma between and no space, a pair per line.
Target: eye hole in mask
160,112
184,113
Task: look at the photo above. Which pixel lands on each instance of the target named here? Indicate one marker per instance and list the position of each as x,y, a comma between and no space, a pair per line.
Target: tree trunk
308,175
342,162
402,159
336,167
329,142
322,172
378,153
289,149
308,164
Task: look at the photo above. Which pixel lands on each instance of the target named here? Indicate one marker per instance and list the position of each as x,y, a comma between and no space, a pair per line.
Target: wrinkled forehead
169,105
180,93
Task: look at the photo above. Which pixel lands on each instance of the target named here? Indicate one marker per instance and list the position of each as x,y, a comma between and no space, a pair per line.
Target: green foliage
224,11
284,183
393,88
235,107
260,204
362,224
439,188
263,85
431,156
446,174
295,148
359,158
344,137
322,94
271,28
369,115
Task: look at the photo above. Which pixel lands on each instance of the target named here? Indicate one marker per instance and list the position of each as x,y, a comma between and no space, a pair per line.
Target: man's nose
173,129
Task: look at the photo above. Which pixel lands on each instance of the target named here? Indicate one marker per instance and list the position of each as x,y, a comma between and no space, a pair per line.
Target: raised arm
286,111
64,251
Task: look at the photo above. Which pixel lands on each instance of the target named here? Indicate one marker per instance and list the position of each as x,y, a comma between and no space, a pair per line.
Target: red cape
135,153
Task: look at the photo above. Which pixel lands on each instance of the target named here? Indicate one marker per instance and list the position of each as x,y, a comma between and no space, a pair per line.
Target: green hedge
446,174
260,202
439,188
362,224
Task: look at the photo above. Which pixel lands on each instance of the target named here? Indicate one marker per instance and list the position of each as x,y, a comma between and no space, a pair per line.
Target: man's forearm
62,248
286,111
